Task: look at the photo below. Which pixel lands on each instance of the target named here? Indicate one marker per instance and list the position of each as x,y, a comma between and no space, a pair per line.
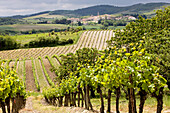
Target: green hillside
108,9
102,9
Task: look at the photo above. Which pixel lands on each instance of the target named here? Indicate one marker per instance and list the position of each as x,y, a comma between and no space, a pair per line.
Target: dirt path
70,49
48,67
55,51
99,39
85,40
106,38
102,41
80,41
92,39
39,105
89,38
60,50
30,84
95,40
65,50
29,106
11,64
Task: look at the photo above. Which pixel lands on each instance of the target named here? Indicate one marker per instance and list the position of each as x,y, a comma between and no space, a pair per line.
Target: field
28,27
23,39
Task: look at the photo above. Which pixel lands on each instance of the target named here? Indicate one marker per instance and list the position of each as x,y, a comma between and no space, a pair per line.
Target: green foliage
55,56
9,62
66,86
71,63
15,65
51,63
154,33
10,84
129,62
107,23
7,43
61,21
9,21
43,42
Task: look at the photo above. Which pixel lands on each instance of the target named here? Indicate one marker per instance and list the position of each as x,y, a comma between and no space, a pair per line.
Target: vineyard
33,65
90,39
131,64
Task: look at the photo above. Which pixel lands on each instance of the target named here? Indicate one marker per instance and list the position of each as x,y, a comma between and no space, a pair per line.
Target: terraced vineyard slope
91,39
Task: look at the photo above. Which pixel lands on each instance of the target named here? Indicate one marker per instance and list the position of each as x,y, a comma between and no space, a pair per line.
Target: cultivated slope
91,39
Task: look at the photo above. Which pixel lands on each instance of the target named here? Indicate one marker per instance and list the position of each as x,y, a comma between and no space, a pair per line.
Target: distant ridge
24,16
102,9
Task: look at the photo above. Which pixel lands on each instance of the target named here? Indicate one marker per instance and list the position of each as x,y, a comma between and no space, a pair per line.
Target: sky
23,7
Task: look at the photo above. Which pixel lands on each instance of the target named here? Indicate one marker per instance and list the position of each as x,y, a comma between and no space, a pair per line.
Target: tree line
61,21
7,43
46,42
10,21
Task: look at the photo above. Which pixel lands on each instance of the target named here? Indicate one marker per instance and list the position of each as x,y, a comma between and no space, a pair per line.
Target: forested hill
109,9
102,9
24,16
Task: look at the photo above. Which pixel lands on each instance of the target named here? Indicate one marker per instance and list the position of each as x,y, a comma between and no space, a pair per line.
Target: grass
55,62
117,27
150,105
23,39
46,74
92,26
35,94
6,27
41,77
28,27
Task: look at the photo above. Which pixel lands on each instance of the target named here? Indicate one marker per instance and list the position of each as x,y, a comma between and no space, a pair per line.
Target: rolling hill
102,9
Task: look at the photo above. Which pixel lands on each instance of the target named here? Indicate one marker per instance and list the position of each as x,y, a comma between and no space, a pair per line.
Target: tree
11,90
154,33
79,23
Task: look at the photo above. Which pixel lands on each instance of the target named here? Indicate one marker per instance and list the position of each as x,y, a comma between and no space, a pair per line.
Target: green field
28,27
23,39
